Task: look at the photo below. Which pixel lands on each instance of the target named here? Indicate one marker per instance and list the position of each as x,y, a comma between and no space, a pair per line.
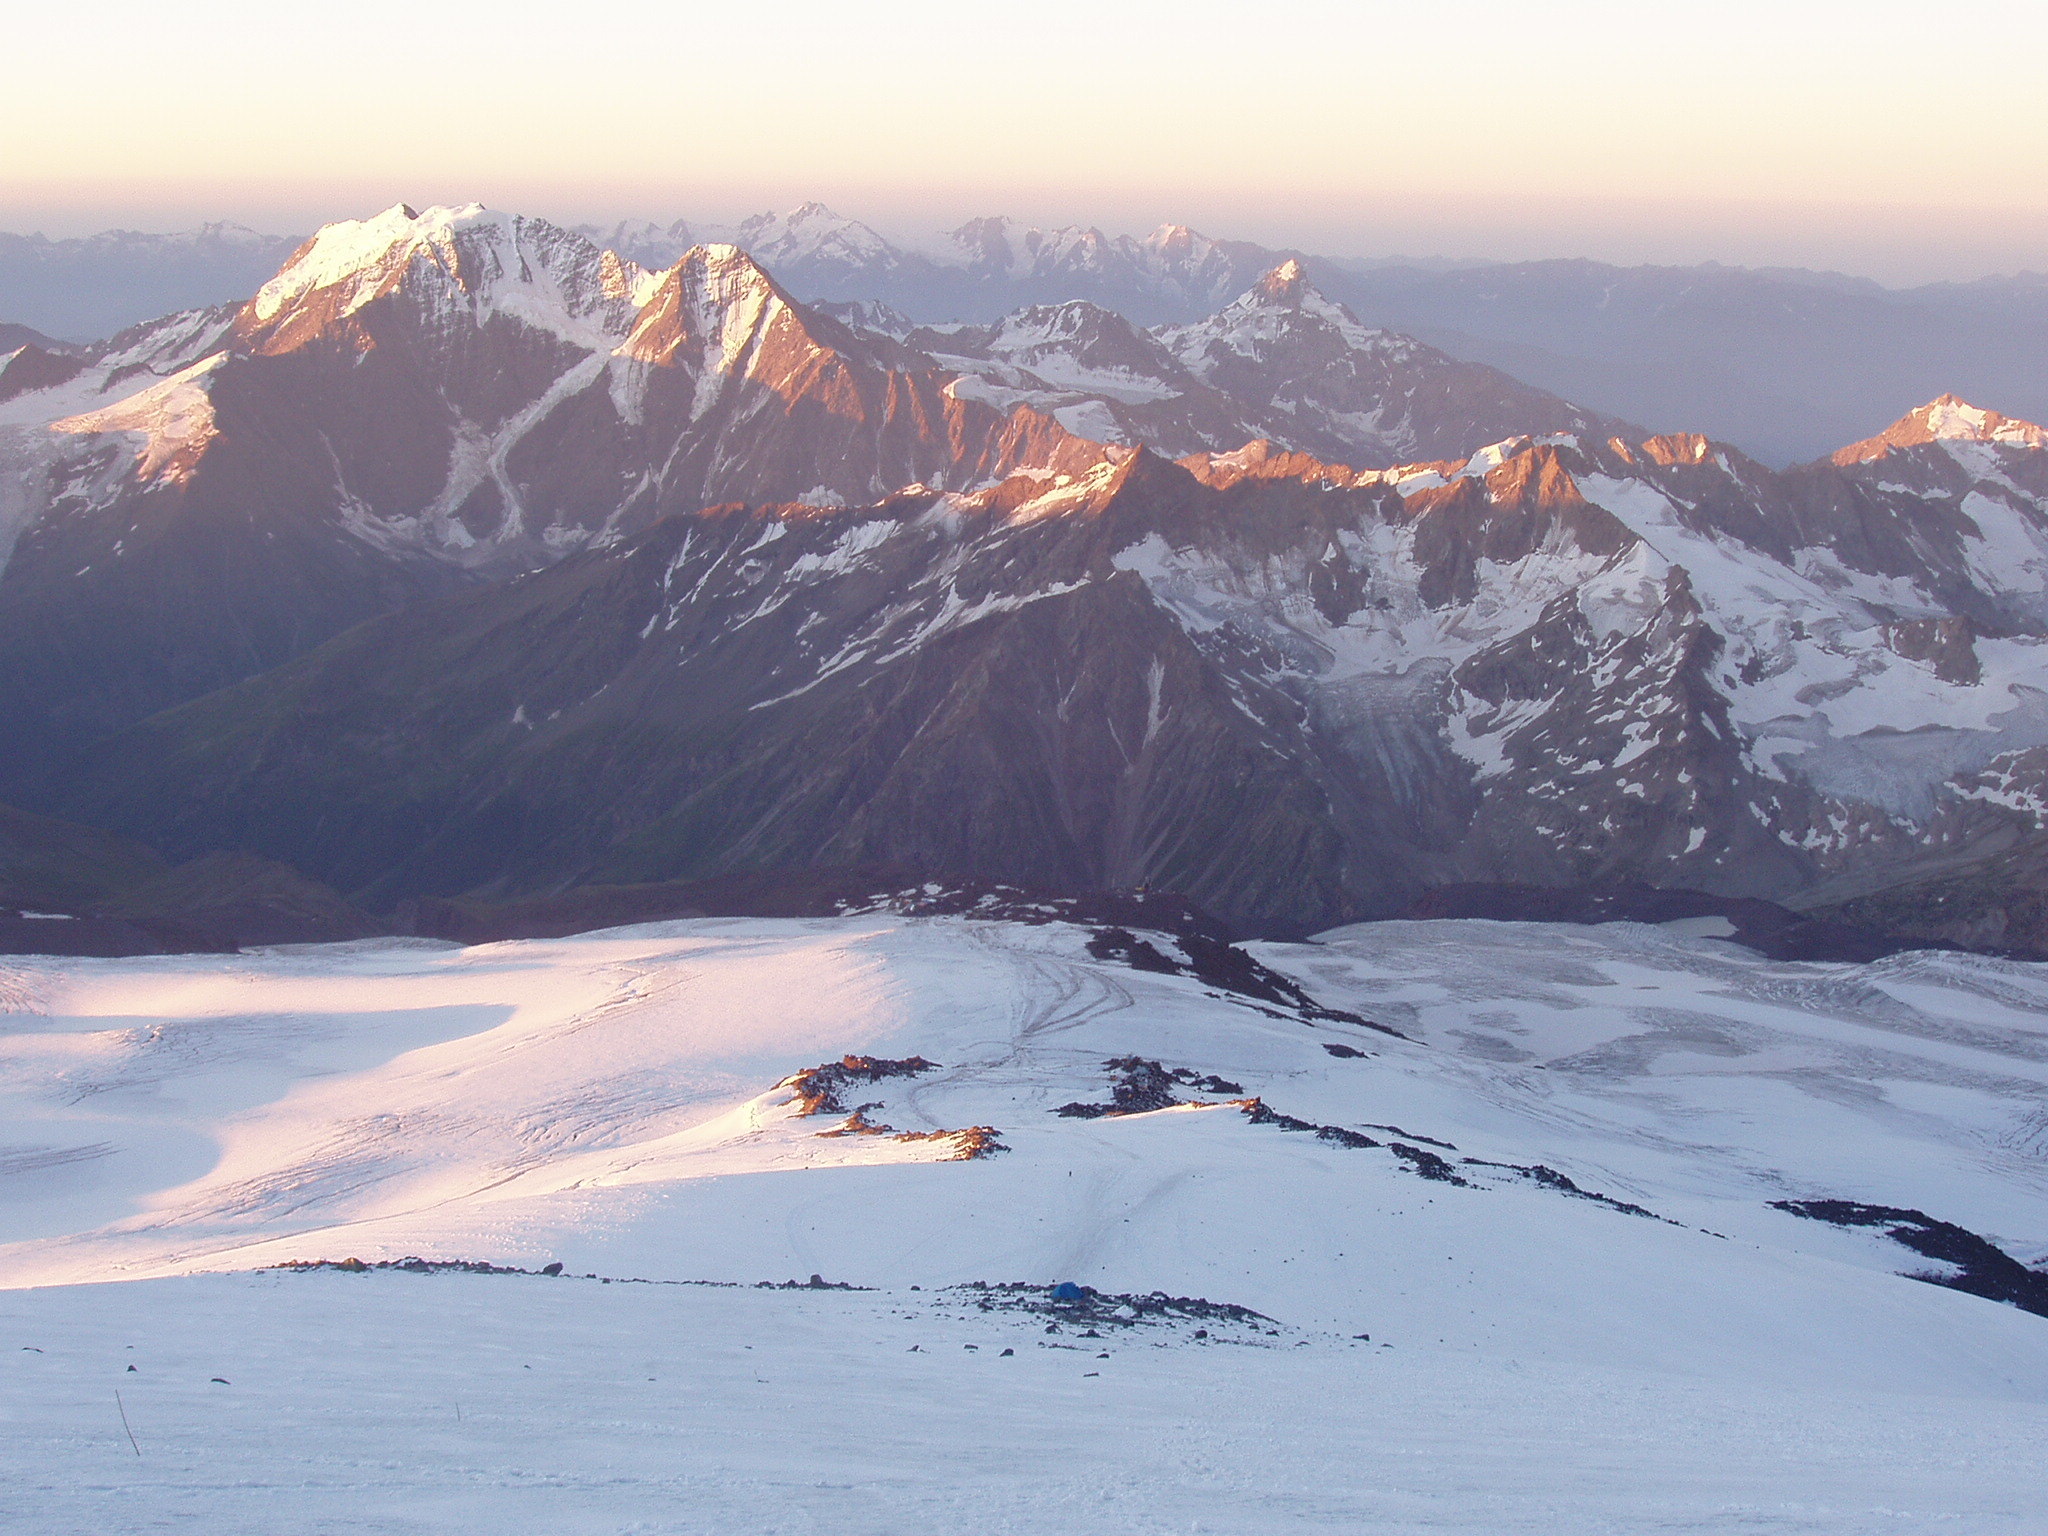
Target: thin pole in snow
124,1423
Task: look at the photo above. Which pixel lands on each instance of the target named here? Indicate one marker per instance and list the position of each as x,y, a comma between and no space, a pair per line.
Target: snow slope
396,1403
621,1102
612,1101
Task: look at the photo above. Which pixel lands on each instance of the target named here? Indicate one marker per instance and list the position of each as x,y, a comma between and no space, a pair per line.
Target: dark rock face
1298,694
1415,1160
470,561
205,589
57,866
1282,363
1976,1264
818,1089
32,367
1985,889
797,892
229,900
420,402
412,405
1138,1087
945,746
1946,645
72,890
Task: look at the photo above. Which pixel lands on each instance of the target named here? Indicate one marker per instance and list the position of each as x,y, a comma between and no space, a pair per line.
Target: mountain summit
1284,285
543,276
413,402
1342,390
1946,420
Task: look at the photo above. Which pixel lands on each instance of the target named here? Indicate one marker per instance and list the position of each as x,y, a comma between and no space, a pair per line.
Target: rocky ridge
423,400
1293,690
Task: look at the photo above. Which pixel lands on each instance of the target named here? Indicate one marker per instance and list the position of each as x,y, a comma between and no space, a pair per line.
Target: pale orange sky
1875,136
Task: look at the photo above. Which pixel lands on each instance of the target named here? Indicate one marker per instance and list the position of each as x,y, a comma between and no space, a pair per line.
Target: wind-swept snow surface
1542,1186
439,1403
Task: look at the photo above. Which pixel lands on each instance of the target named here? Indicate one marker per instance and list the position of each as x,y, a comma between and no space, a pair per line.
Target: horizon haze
1858,138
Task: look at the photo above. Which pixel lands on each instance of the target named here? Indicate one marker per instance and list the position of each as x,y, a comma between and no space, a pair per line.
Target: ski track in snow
1537,1363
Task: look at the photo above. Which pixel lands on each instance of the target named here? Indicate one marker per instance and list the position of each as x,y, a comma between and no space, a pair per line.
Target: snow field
415,1404
1537,1362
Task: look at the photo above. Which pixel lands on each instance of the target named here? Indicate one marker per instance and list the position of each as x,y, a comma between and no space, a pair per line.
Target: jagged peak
547,276
1668,449
349,248
996,241
808,229
810,212
1287,288
1122,470
1069,318
1175,240
722,255
1535,470
726,274
716,290
987,225
867,315
646,242
1282,304
1946,419
1531,472
1286,284
1262,459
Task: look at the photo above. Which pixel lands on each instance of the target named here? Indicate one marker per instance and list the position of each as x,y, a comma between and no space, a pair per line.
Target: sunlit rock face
1296,691
672,575
419,401
414,403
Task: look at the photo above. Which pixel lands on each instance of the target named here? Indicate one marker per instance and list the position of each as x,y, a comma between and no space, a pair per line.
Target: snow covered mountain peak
1074,320
657,247
983,242
1282,312
812,232
717,294
1188,259
1949,419
1175,238
1284,302
1286,284
724,264
1280,361
868,315
469,258
1026,253
348,250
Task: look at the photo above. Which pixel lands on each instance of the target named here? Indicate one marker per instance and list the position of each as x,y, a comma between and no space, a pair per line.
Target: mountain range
419,402
1785,363
469,557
